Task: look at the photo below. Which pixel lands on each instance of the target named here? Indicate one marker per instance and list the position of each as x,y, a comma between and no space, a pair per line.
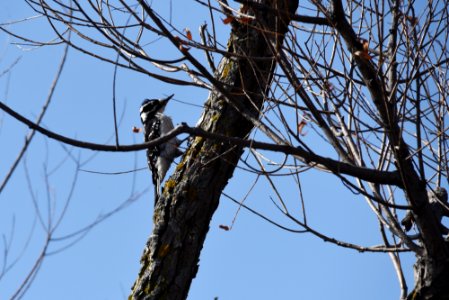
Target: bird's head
150,107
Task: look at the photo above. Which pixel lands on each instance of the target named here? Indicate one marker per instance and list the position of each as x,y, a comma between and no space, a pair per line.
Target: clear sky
255,260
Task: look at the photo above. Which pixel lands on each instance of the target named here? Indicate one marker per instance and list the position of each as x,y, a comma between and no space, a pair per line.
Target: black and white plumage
438,200
155,125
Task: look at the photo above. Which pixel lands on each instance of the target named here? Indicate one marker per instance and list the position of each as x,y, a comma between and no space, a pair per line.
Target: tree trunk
191,195
431,280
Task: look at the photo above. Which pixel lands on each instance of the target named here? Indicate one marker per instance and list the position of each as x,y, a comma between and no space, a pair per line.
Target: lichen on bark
183,214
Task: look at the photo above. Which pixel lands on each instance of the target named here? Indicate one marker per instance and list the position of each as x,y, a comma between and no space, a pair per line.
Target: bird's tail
157,191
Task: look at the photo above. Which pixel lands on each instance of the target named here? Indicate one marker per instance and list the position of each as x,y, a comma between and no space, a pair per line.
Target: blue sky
255,260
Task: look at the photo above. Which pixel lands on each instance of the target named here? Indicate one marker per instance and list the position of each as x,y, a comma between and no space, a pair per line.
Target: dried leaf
136,129
228,20
301,126
365,52
188,34
365,45
224,227
412,20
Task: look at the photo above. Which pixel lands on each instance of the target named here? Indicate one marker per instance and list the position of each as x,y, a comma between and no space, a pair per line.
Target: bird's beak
165,100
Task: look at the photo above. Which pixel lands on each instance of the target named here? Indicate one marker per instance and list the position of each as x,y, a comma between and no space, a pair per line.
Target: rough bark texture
191,195
431,280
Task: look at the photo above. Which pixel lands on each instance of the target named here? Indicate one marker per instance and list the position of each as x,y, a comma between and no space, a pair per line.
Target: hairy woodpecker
155,125
438,200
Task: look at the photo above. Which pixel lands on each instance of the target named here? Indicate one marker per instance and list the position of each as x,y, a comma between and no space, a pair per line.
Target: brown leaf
364,53
412,20
224,227
188,34
301,126
228,20
365,45
136,129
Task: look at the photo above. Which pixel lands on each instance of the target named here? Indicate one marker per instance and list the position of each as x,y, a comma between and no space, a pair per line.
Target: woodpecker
438,200
155,125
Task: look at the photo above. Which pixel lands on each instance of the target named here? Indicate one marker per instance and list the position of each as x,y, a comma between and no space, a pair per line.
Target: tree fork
191,195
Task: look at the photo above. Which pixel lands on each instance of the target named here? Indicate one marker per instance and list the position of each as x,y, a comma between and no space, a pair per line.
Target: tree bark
431,280
191,195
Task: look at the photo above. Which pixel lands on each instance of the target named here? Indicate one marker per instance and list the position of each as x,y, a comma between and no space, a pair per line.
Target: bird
438,199
156,124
